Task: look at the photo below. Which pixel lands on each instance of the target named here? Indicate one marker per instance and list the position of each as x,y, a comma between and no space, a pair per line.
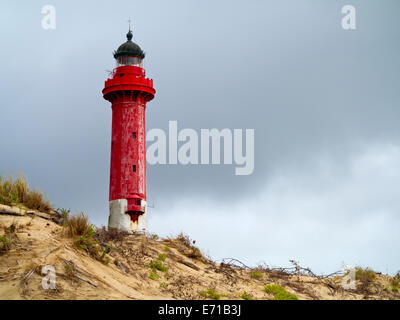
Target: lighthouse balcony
128,78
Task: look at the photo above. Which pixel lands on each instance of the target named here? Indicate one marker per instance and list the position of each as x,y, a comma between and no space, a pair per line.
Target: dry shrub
16,191
35,200
111,234
78,225
184,239
185,245
366,277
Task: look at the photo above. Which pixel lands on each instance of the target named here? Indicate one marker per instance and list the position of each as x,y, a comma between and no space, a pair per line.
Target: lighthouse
128,90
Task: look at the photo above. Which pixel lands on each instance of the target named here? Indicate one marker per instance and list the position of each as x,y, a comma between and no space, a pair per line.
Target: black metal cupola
129,53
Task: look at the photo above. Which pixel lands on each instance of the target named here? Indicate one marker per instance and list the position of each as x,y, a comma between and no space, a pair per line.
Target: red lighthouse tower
128,90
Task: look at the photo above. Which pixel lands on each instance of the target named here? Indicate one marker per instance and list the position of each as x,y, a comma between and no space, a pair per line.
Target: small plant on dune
246,296
154,236
105,251
162,257
163,285
69,270
166,249
88,244
256,275
212,294
5,244
279,292
79,225
7,239
154,276
158,265
64,213
395,285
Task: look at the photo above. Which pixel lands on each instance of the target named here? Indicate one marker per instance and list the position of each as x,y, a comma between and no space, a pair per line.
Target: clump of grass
154,236
7,239
279,292
154,276
78,225
64,213
70,270
162,257
35,200
158,265
256,275
163,285
212,294
17,192
365,275
395,285
103,257
5,244
246,296
88,244
166,249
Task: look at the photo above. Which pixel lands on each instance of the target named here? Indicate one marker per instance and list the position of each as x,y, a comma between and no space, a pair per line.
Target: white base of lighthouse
120,220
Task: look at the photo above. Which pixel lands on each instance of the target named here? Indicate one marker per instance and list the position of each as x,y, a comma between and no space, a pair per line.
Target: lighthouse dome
129,49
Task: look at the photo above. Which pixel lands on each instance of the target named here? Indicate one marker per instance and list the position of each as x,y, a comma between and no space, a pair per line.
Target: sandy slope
38,241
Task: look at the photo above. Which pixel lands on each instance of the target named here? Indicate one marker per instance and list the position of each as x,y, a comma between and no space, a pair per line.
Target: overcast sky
323,101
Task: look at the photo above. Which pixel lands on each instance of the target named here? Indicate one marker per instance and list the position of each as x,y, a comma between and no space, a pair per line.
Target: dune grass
279,292
16,191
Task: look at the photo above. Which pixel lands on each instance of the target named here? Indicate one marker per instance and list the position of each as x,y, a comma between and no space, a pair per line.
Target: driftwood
189,264
80,278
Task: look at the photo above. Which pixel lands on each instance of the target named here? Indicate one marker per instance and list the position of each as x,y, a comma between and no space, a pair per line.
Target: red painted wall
128,91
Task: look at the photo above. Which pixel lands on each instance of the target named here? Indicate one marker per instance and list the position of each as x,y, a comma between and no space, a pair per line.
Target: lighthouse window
134,168
134,135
